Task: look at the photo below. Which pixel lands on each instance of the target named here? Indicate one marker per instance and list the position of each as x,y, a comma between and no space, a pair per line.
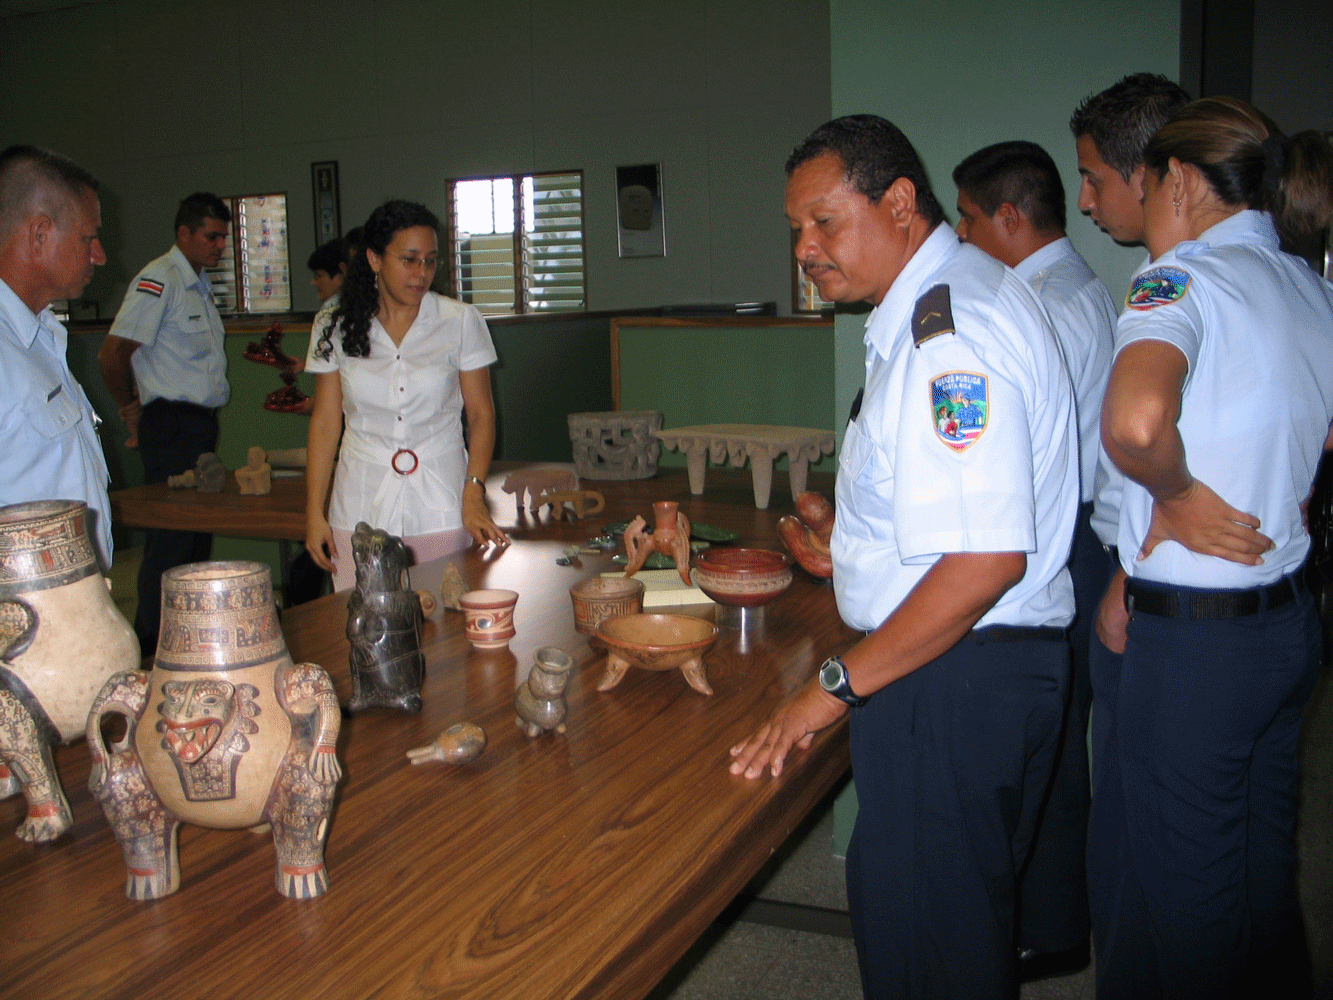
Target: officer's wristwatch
833,679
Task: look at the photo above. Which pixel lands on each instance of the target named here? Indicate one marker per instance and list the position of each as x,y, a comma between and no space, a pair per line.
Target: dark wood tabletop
278,514
575,865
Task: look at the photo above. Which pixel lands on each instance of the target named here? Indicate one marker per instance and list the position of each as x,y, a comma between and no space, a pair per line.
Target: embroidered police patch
960,408
1157,286
151,287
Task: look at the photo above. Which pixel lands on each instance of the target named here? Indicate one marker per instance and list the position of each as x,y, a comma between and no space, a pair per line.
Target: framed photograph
328,213
639,211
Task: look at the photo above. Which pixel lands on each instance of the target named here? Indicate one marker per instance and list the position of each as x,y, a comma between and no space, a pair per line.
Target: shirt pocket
55,413
865,465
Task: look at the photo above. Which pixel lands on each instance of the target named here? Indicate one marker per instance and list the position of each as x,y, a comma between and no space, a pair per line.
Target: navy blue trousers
1053,892
172,436
1192,850
951,763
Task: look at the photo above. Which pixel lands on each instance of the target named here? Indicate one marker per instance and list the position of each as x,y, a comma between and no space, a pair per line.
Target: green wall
781,375
956,75
162,99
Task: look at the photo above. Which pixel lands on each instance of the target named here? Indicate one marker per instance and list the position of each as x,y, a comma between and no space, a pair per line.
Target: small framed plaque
328,213
639,211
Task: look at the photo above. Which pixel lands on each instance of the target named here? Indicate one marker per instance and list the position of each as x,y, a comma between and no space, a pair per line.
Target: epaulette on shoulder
932,316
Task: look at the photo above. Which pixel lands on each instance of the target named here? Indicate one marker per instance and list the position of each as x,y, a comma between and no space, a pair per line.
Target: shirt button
400,419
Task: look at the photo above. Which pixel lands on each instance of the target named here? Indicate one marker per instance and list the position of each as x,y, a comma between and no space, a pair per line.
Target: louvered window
516,243
254,274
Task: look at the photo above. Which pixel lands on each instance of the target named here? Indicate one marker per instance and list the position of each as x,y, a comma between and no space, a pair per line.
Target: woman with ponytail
1218,410
395,366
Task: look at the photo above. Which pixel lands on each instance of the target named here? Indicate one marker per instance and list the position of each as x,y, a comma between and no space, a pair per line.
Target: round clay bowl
601,598
743,578
657,642
488,617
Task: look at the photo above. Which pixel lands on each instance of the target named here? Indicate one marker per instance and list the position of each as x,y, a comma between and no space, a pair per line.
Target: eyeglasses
417,263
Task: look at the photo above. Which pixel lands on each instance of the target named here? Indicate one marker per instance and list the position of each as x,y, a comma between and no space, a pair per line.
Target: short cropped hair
329,257
1123,117
37,181
1020,173
200,206
875,153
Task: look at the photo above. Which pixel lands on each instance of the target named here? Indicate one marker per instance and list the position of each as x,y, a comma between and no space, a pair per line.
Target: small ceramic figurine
383,625
452,587
535,482
807,534
584,501
540,701
210,476
256,477
459,744
428,602
670,536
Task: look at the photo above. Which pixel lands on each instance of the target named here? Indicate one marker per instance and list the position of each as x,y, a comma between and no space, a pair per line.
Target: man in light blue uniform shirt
1011,203
949,551
49,217
164,363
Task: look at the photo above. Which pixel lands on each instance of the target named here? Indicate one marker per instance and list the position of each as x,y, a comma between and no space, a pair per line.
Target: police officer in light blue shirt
949,550
1217,411
165,365
49,217
1011,203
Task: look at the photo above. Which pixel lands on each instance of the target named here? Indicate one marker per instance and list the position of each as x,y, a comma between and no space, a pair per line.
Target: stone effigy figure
384,625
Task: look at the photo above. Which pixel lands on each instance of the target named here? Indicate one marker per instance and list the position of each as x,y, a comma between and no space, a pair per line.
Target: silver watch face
830,675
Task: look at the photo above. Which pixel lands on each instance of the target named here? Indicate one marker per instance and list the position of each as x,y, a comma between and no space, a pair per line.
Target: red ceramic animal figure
807,534
670,536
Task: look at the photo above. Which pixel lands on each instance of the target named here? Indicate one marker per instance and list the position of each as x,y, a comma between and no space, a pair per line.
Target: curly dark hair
360,299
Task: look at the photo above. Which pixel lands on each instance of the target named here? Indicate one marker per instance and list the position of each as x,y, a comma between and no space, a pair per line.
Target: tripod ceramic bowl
656,642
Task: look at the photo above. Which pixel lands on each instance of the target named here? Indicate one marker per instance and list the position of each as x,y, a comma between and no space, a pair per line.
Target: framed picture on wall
639,211
328,213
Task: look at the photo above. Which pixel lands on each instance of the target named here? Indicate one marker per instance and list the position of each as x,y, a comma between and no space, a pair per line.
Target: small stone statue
207,476
383,625
459,744
256,478
453,587
428,602
540,701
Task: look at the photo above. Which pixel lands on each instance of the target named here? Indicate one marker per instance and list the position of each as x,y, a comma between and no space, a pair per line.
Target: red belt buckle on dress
394,461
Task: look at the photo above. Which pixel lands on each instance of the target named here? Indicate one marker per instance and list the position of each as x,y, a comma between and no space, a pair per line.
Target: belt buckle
394,461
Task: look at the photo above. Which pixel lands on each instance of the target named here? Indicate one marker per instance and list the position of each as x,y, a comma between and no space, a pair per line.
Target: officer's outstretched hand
794,723
1203,522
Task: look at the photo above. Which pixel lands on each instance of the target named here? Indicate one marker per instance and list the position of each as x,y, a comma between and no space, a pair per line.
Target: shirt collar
1039,260
192,277
1248,226
23,321
940,245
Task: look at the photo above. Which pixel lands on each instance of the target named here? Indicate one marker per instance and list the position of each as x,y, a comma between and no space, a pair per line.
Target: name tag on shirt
54,393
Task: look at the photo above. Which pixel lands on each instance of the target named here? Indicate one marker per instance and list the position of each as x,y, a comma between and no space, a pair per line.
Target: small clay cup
488,617
601,598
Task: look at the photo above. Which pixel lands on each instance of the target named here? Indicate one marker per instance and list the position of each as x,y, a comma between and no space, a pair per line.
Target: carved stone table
760,443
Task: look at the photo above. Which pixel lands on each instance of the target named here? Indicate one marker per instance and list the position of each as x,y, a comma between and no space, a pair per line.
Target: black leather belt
1016,633
1157,600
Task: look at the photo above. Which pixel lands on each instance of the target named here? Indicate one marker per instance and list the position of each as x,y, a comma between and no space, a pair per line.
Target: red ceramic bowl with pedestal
742,578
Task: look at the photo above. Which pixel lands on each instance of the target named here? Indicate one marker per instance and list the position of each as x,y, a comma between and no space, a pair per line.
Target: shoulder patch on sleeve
150,287
1157,286
932,316
960,408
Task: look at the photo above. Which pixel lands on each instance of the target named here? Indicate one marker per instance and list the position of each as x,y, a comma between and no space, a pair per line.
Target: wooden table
762,444
581,865
280,514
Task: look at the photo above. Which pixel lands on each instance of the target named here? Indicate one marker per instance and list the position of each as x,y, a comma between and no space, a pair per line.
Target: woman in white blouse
397,364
